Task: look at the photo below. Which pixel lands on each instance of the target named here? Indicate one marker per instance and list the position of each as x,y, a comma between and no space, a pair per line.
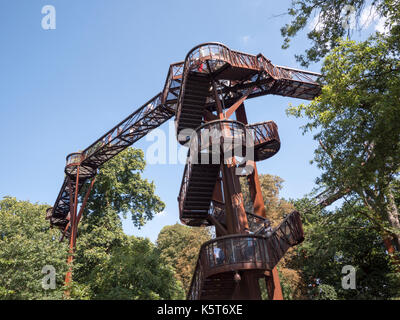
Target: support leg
272,282
73,219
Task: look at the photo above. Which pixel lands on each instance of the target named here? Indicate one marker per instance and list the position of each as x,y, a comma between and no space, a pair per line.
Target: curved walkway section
229,254
208,62
210,144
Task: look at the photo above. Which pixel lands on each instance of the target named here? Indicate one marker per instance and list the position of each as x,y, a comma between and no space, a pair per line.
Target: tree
180,247
358,119
338,238
135,270
97,238
108,263
120,187
111,265
357,114
333,239
27,244
275,207
333,21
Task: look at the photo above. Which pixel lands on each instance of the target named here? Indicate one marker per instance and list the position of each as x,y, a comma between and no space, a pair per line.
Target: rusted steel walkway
203,92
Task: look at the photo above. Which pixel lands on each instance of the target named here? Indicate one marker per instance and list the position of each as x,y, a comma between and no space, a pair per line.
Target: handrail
245,251
74,158
184,185
175,71
264,138
226,128
214,51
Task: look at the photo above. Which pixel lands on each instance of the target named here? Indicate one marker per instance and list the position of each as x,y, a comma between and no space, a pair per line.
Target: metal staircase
203,107
196,192
199,179
197,89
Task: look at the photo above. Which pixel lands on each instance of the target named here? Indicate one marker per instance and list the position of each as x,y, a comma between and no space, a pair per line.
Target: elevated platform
74,160
221,257
208,63
210,144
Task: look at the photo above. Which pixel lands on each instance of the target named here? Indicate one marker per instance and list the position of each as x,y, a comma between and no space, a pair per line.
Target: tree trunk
393,216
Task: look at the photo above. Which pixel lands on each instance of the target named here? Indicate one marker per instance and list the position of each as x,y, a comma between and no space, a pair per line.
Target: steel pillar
236,218
74,221
272,281
73,206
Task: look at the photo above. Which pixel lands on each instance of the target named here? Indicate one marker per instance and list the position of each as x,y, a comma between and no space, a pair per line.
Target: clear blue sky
61,89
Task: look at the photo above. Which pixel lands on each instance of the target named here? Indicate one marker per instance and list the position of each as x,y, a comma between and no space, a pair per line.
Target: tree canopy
108,264
357,117
339,238
331,21
120,187
102,244
180,246
135,270
27,244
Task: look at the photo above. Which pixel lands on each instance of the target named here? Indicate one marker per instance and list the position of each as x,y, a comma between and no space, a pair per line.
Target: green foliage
120,187
323,292
135,270
26,246
275,207
333,23
180,246
339,238
287,290
333,239
96,240
112,265
109,264
358,118
396,190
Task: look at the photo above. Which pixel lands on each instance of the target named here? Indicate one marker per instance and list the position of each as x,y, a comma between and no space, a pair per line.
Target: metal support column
272,281
74,221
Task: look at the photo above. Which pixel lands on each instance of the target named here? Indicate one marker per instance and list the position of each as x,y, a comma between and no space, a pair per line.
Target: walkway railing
184,186
218,137
245,252
212,57
266,139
